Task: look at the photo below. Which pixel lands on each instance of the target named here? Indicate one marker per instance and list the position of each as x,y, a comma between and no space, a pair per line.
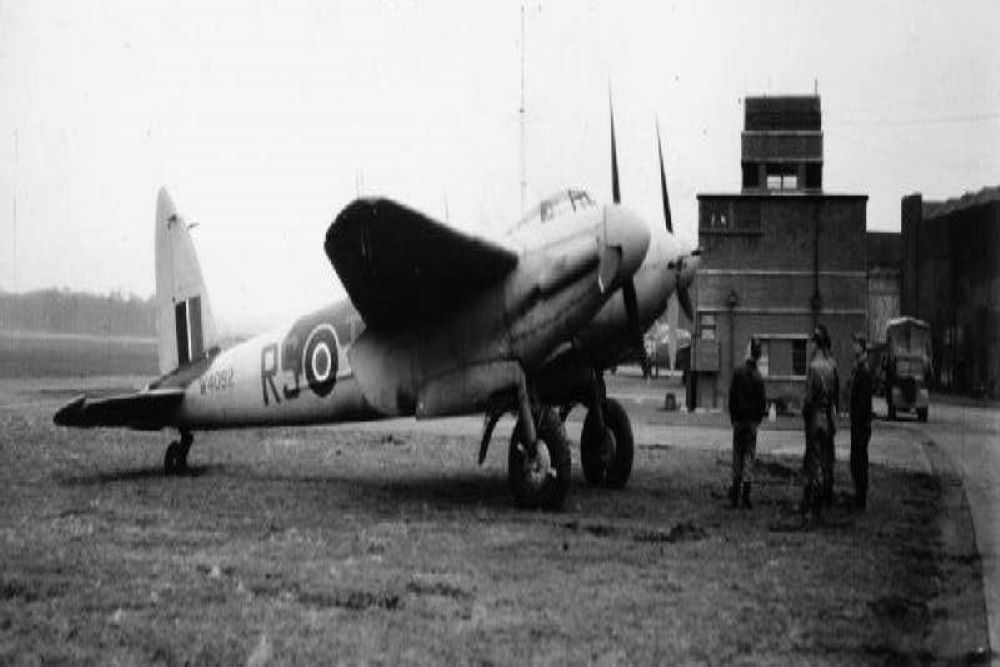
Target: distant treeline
62,311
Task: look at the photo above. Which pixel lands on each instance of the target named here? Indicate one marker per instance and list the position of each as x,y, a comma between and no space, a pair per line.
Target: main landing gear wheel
175,460
540,478
607,457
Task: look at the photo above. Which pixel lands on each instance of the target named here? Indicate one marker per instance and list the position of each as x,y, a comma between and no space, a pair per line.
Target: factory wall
951,279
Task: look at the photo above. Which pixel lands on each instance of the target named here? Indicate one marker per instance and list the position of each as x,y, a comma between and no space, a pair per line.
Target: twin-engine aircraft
439,323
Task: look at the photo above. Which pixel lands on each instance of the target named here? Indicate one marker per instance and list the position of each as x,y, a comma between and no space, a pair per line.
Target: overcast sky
263,119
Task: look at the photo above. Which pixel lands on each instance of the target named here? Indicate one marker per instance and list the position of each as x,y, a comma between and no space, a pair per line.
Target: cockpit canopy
555,206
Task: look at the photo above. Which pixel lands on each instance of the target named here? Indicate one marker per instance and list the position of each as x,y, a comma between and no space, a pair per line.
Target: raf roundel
319,359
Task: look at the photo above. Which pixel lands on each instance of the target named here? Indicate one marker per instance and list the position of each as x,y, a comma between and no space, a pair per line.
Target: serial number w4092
216,381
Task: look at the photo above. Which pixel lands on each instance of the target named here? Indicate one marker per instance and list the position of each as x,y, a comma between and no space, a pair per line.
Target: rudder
184,319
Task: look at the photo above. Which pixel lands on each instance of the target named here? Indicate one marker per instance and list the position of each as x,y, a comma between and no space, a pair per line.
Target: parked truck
906,365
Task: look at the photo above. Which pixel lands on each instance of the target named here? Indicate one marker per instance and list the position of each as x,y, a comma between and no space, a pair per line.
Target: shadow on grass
401,492
135,475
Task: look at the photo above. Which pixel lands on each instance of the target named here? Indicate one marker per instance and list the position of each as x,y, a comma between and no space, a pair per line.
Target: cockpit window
555,206
580,199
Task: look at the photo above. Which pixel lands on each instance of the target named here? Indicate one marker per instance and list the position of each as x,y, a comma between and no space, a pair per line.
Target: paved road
971,438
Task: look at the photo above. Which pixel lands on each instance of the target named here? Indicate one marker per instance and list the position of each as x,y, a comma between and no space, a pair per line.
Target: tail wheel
922,414
173,461
607,457
542,479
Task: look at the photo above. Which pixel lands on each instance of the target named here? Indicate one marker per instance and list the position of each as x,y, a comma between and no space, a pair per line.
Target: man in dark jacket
747,407
861,420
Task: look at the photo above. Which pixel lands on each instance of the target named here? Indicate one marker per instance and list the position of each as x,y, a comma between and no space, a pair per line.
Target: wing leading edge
398,265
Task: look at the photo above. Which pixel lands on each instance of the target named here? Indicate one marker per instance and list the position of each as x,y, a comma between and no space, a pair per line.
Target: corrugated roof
937,209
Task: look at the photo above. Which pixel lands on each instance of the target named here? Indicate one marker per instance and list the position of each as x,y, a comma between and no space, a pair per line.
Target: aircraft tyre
174,462
607,457
542,480
922,414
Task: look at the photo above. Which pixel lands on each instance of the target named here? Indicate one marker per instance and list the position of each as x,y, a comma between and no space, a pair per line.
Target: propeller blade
632,310
628,287
616,195
684,299
663,182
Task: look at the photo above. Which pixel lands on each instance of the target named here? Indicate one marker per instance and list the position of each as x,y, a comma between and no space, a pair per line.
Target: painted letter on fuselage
269,369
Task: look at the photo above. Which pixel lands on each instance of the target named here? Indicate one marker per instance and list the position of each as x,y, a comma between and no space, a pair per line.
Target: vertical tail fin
184,319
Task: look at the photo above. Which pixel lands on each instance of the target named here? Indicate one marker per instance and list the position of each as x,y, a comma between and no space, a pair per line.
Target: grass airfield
384,542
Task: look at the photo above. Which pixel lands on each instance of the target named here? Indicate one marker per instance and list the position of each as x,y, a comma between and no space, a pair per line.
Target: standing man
819,411
861,420
747,407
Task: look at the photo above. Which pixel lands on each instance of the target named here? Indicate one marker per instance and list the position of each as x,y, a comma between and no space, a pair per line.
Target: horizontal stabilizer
146,410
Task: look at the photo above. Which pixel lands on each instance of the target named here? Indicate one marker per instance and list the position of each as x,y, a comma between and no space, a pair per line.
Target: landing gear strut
538,461
175,460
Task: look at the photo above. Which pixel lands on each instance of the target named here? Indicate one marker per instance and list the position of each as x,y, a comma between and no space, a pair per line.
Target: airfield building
778,257
951,280
885,260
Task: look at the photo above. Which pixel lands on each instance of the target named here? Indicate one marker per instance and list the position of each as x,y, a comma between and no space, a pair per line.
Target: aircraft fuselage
327,367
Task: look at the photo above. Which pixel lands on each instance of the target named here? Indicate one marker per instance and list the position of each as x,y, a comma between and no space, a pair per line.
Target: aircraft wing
144,410
398,265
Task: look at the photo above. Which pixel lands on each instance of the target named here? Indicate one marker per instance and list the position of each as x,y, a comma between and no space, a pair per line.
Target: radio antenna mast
524,177
14,205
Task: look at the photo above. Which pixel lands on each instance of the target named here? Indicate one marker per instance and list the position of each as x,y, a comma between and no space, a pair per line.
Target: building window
782,182
799,357
734,215
715,215
814,176
707,327
746,214
782,356
764,363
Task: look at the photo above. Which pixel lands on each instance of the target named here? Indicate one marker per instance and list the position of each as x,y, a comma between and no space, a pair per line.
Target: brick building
951,279
885,259
778,257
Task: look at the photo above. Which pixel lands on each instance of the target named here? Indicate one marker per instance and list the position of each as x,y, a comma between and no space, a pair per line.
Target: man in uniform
861,420
747,407
819,411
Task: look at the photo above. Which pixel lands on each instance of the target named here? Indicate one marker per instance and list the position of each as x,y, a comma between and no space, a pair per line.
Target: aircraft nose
626,240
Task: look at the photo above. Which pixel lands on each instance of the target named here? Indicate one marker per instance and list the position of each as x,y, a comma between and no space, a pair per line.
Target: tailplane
184,319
